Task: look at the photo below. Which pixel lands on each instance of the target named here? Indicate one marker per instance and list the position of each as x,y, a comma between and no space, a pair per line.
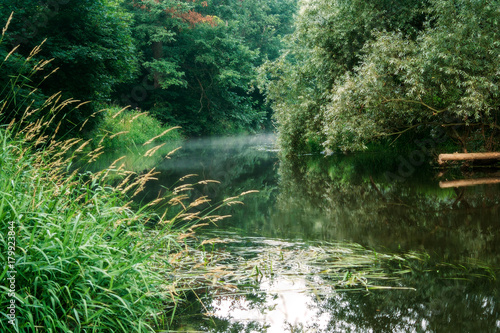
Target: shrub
124,128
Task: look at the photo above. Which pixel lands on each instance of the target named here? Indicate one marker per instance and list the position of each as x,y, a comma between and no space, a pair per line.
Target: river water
313,211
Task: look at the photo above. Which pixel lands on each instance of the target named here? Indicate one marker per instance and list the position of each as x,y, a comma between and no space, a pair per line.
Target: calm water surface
312,200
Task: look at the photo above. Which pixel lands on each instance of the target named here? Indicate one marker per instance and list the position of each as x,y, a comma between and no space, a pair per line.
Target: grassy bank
77,257
139,140
78,261
127,129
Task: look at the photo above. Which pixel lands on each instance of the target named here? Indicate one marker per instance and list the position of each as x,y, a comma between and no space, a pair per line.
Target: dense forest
351,73
189,63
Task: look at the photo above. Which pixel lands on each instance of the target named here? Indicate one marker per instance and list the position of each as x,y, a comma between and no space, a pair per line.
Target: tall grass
134,137
79,261
126,129
83,259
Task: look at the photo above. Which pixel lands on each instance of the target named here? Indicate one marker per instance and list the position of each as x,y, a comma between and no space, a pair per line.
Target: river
338,244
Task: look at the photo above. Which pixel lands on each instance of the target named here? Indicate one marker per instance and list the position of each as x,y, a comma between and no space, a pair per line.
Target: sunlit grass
128,130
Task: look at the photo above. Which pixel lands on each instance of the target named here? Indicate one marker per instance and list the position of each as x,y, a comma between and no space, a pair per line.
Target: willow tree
446,81
358,71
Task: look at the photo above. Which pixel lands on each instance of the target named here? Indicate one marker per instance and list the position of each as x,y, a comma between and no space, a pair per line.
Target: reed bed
339,266
79,255
84,259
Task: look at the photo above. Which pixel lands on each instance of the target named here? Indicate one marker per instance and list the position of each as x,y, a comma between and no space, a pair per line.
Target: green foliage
447,76
18,91
260,24
125,129
90,42
22,104
199,61
218,71
402,66
190,63
154,26
78,263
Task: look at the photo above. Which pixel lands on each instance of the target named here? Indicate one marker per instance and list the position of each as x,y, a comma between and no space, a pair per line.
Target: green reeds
84,260
125,129
229,266
77,257
79,262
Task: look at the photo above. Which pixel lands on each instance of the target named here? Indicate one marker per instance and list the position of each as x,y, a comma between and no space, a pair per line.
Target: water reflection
285,306
293,311
237,163
440,300
347,199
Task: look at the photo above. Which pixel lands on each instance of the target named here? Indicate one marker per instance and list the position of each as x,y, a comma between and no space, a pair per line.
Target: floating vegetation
231,263
256,284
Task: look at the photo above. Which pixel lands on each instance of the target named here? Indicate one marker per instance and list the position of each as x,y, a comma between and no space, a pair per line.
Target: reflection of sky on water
287,305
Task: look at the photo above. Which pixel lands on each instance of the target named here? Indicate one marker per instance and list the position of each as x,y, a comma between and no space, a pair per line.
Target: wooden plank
468,182
468,157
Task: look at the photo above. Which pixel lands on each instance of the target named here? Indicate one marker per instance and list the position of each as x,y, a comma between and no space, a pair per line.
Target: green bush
124,128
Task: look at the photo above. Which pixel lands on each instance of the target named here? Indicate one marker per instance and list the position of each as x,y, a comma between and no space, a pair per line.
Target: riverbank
78,258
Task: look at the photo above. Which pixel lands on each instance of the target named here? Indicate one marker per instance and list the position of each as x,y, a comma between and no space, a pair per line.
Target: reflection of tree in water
437,305
347,199
238,164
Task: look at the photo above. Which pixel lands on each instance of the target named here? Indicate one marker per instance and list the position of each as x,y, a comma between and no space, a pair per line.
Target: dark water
310,200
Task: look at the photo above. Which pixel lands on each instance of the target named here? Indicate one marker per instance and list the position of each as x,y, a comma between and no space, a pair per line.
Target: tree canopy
190,63
90,42
359,71
199,61
339,75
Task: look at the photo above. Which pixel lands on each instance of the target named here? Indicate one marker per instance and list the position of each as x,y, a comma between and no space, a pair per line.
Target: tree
261,24
446,78
327,42
199,61
401,67
218,69
89,40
